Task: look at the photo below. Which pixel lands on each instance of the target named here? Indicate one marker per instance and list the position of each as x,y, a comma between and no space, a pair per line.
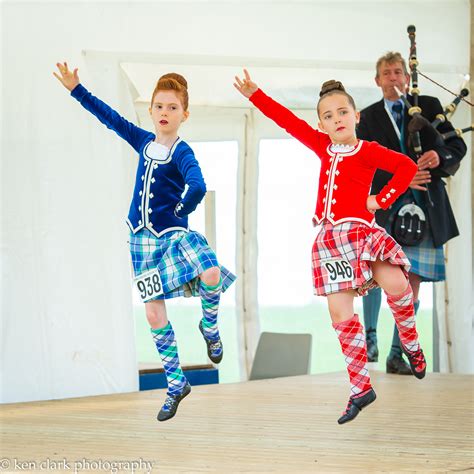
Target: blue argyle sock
210,297
165,341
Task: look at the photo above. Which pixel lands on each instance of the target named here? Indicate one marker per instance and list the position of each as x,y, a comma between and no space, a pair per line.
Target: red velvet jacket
346,171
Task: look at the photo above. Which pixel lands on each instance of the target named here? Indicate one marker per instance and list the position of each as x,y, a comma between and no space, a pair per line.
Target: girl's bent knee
156,321
339,316
397,287
211,276
155,312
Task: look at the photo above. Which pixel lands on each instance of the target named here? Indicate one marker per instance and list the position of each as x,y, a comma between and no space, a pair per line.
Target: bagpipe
449,110
419,122
409,225
457,132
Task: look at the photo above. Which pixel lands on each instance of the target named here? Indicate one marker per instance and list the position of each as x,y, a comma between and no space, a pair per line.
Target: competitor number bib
338,270
149,285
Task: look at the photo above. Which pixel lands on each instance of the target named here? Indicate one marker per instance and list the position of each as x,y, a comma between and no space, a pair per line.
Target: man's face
390,75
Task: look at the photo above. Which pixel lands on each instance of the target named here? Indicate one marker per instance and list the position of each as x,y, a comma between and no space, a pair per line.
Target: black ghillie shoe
397,365
356,404
372,349
215,350
168,410
417,362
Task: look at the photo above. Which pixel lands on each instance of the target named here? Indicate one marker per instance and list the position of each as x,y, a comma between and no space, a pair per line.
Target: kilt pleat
360,245
180,258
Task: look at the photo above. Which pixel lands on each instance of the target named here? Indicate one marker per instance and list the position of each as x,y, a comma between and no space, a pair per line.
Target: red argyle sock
404,314
352,339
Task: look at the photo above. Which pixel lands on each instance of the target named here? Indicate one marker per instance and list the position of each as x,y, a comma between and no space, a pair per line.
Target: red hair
173,82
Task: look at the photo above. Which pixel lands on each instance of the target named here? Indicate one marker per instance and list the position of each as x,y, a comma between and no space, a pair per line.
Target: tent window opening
218,161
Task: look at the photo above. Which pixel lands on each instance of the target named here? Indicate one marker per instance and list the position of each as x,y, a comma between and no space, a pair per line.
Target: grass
314,319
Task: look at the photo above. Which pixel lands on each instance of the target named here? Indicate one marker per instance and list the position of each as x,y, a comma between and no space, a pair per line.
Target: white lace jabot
339,147
156,151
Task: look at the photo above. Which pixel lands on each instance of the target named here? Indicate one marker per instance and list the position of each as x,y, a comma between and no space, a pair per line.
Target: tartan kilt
180,258
427,261
360,245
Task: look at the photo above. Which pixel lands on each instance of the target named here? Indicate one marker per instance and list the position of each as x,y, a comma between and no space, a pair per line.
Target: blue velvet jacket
169,183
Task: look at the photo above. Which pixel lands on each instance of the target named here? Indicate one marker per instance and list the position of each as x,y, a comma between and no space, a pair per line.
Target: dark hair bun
330,86
176,77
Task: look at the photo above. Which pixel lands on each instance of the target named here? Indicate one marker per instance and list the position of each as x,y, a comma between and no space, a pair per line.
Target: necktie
397,114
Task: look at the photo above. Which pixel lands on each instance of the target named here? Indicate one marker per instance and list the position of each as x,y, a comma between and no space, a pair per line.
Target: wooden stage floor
280,425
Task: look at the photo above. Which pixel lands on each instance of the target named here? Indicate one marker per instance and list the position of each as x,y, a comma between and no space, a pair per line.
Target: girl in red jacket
351,253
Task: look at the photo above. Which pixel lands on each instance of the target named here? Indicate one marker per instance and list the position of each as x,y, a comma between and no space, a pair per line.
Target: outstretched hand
69,79
246,87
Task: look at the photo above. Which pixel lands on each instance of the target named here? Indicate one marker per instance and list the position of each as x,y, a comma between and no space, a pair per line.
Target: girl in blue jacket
169,260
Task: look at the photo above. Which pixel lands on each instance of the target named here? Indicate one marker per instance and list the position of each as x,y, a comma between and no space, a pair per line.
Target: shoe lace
214,346
170,401
349,404
419,359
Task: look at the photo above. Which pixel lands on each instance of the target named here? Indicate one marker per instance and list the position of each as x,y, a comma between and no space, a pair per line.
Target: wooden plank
279,425
152,367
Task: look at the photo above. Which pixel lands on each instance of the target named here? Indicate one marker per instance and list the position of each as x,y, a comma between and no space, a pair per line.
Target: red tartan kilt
360,245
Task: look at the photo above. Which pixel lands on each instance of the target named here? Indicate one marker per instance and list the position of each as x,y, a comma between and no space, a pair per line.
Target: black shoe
417,362
372,351
215,350
355,405
397,365
168,410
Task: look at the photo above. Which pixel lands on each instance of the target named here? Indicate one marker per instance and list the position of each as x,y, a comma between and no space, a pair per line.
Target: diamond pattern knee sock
404,314
352,339
396,350
165,341
210,297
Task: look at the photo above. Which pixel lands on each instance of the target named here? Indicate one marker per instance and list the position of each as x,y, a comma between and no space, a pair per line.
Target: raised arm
283,117
134,135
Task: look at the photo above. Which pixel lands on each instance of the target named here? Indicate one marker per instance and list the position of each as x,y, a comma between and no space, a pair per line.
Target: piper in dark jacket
388,122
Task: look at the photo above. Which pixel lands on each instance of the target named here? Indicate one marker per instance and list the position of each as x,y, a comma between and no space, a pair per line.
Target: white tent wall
66,293
454,301
67,328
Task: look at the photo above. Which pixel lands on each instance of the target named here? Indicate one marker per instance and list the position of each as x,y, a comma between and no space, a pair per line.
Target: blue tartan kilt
180,258
427,261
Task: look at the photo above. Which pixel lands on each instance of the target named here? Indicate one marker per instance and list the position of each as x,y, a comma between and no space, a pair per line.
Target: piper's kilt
359,245
180,258
427,261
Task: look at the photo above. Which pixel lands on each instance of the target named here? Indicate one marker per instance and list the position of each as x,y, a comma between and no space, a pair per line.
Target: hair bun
330,86
176,77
